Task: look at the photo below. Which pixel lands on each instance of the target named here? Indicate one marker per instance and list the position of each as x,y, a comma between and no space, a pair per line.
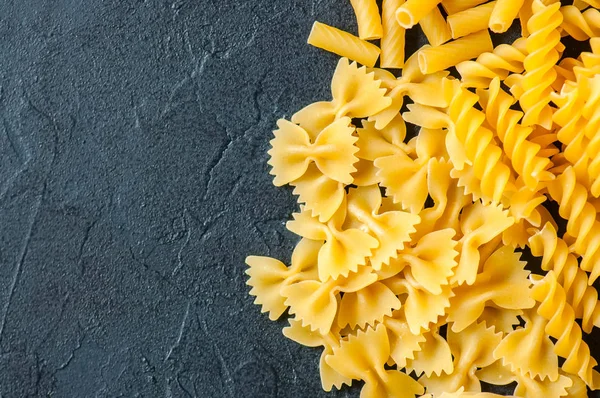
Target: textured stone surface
133,182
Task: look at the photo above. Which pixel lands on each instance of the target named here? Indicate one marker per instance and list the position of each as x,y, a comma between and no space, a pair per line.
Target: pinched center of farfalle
409,272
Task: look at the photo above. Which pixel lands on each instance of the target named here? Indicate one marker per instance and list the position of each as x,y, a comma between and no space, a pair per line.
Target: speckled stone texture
133,183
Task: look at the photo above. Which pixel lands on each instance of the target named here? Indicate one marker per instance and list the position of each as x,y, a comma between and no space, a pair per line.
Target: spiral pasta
503,60
523,153
539,63
580,214
486,158
562,326
580,25
556,256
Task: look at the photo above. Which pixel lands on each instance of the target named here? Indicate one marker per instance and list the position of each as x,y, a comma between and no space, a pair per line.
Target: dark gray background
133,183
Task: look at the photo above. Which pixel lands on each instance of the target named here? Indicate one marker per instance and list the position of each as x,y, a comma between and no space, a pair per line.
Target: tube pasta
435,59
503,15
343,43
454,6
471,20
368,19
435,28
392,39
411,12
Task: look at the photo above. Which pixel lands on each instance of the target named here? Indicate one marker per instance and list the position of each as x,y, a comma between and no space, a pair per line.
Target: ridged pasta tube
503,60
504,13
411,12
454,6
392,40
435,59
557,257
539,63
367,18
471,20
343,44
562,326
524,154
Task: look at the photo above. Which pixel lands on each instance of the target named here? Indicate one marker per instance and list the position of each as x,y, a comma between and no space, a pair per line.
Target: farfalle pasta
420,189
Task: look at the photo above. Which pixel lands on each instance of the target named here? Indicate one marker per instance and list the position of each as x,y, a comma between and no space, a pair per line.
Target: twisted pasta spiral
572,198
522,152
539,63
568,117
562,326
479,146
503,60
556,256
580,25
591,112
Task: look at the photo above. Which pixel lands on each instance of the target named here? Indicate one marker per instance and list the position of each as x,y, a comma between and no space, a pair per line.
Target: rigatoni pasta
392,40
343,43
454,6
435,59
435,28
411,12
368,19
471,20
503,14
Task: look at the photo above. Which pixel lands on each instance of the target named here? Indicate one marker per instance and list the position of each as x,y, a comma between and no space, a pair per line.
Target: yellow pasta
435,59
368,19
454,6
505,59
556,256
562,326
343,43
410,13
471,20
392,39
409,273
435,28
543,54
504,13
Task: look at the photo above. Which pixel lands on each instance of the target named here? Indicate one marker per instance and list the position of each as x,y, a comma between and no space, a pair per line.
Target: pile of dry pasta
409,271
